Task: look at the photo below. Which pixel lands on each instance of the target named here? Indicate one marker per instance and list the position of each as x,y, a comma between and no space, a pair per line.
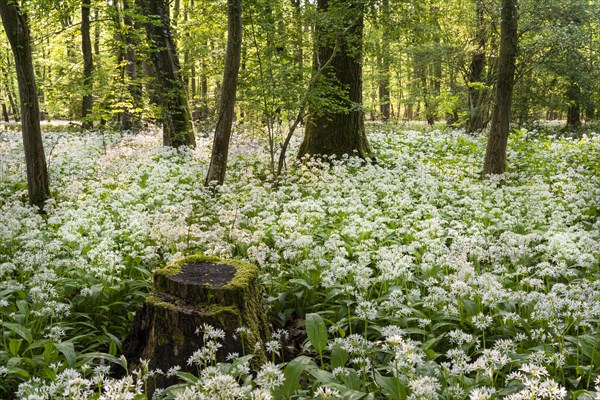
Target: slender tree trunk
177,124
9,89
96,32
574,111
495,154
5,112
477,109
384,71
339,132
88,64
132,118
298,38
220,150
17,30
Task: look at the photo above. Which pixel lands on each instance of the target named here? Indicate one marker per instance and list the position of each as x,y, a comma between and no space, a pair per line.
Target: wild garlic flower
326,393
269,376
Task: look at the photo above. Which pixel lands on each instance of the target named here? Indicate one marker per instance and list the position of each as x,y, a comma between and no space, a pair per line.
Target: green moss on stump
166,327
229,294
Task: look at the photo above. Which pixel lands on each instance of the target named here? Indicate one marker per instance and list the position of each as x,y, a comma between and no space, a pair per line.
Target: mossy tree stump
191,292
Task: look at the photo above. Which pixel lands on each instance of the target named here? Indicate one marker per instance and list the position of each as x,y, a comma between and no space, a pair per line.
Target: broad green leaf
339,357
20,330
391,387
187,377
316,331
292,373
14,345
68,350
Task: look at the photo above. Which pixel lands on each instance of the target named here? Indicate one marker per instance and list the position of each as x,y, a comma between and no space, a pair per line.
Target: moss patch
245,274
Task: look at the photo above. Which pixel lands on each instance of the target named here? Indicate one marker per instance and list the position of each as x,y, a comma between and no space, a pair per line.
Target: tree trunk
96,32
574,111
17,30
495,154
477,109
9,88
88,65
177,124
384,57
298,38
341,131
132,118
218,160
5,112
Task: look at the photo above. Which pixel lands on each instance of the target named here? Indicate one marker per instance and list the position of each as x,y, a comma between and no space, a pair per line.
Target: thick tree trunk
177,124
477,109
132,118
17,30
88,64
339,132
495,154
220,150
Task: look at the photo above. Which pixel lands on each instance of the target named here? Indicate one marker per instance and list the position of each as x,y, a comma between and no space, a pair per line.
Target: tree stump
191,292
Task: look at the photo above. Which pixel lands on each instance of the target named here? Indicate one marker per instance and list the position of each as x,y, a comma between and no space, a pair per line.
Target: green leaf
102,356
391,387
68,350
20,330
187,377
14,345
583,395
292,373
339,357
316,331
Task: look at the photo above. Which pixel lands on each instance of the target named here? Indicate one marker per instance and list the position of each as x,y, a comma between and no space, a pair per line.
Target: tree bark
5,112
220,150
177,124
574,111
477,109
17,30
132,118
341,131
190,293
9,89
384,62
495,154
88,65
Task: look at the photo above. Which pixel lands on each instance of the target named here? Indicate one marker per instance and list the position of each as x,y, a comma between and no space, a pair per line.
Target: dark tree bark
298,37
17,30
9,88
96,32
384,63
495,154
88,65
341,131
177,124
132,119
220,150
574,111
5,112
477,109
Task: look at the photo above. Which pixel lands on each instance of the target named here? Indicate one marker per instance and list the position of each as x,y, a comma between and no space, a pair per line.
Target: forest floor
417,279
